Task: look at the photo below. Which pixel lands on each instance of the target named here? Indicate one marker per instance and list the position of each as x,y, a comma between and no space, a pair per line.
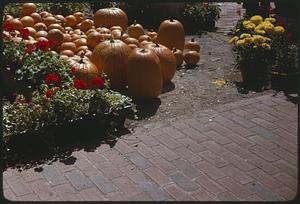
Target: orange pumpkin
135,30
167,60
32,31
191,57
67,37
80,42
178,55
68,46
41,39
49,20
60,18
171,34
116,28
68,53
109,17
144,37
192,45
111,56
90,31
124,36
57,26
27,21
86,25
17,24
116,34
70,20
28,8
36,17
63,57
56,35
84,70
79,16
132,46
93,39
131,41
41,33
152,33
144,74
40,26
82,48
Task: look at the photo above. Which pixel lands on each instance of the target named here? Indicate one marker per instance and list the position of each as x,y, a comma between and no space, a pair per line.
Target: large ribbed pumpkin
84,69
171,34
111,56
167,60
109,17
144,75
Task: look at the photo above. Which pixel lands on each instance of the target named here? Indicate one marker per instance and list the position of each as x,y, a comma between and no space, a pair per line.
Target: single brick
210,170
188,155
287,180
260,141
157,175
238,162
53,176
126,186
264,154
236,174
133,173
92,194
78,180
138,160
263,123
168,141
215,147
218,138
227,196
164,165
209,185
241,151
109,170
237,189
67,193
213,158
177,193
116,158
145,151
103,183
43,190
154,191
262,132
263,191
123,147
202,195
184,182
176,134
186,168
194,135
244,142
18,185
265,166
148,140
286,167
266,116
166,153
192,145
240,120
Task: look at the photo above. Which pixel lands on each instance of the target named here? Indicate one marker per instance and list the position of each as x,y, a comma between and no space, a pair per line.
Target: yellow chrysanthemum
269,28
254,46
271,20
267,39
250,26
258,39
248,40
279,29
240,42
259,31
261,26
256,19
246,23
233,40
245,35
266,46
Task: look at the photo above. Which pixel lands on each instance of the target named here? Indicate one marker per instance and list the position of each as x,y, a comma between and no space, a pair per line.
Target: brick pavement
244,151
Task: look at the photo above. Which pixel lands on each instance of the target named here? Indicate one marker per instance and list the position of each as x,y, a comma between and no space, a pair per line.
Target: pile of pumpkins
142,61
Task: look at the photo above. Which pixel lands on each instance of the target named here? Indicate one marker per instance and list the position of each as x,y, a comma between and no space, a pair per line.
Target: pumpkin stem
143,50
111,40
171,19
134,22
174,49
156,45
193,40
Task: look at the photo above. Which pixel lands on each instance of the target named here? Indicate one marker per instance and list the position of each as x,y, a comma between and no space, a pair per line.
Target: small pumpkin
17,24
111,56
167,60
27,21
56,35
82,48
191,57
40,26
84,69
132,46
79,16
68,53
60,19
135,30
178,55
171,34
93,39
68,46
116,28
67,37
80,42
152,33
144,37
49,20
32,32
86,25
109,17
28,8
144,74
36,17
57,26
116,34
124,36
70,20
192,44
131,41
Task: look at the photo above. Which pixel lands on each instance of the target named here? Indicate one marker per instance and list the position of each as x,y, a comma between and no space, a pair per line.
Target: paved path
245,150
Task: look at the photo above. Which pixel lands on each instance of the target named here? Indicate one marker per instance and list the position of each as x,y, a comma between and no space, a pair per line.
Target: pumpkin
191,57
144,37
40,26
41,39
109,17
41,33
152,33
49,20
178,55
63,57
79,16
28,8
116,34
75,37
90,31
132,46
105,36
116,28
68,53
27,21
144,75
17,24
56,35
131,41
145,42
124,36
93,39
32,31
60,18
192,45
70,20
167,60
44,13
86,25
68,46
86,53
171,34
103,30
57,26
80,42
36,17
8,17
82,48
111,56
84,70
67,37
135,30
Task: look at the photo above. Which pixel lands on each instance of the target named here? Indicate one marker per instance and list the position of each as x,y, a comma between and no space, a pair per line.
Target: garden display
262,50
59,69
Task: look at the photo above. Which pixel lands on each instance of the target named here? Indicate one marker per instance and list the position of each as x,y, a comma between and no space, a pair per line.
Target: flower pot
255,77
284,81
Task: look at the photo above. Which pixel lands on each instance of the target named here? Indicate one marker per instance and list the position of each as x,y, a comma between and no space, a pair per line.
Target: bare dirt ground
193,90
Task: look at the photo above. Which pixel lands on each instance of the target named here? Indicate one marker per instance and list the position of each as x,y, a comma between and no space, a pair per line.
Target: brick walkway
245,150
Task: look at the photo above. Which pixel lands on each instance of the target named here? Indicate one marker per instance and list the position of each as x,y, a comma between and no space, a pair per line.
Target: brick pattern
243,154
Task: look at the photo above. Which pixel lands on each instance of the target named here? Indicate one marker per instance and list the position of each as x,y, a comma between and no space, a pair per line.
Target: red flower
30,48
42,45
98,82
51,43
8,26
24,33
49,93
51,78
79,84
73,70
